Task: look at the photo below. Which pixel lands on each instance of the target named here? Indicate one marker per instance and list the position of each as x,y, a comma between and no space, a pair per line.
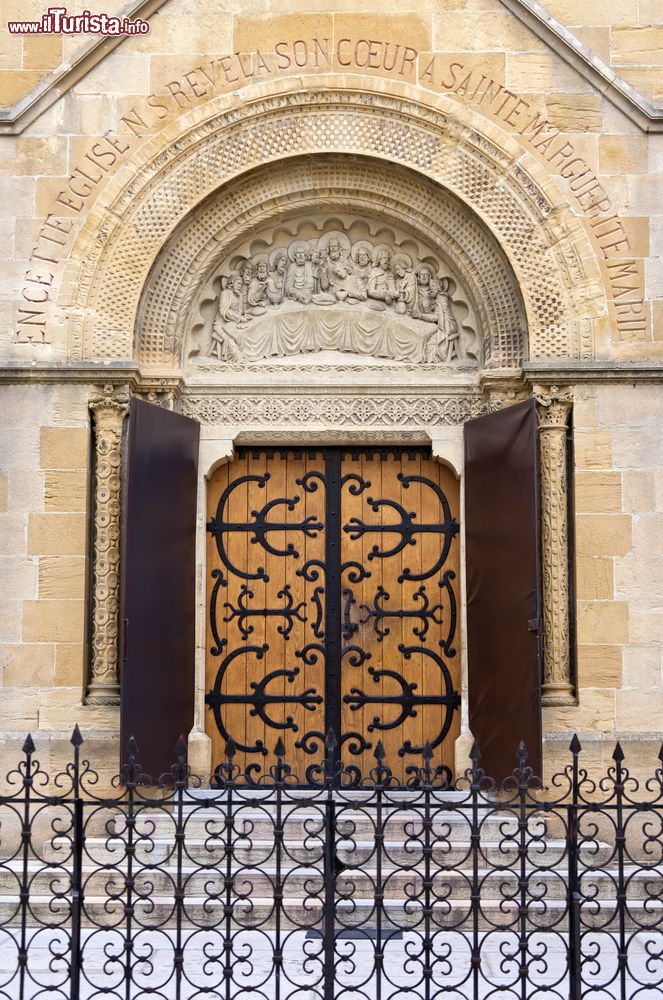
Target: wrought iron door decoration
333,604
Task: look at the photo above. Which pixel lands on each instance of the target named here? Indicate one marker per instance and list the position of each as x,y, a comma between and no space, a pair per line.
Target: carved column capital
554,407
108,407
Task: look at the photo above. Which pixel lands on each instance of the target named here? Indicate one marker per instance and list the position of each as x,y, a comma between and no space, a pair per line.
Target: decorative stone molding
553,416
342,410
108,408
437,158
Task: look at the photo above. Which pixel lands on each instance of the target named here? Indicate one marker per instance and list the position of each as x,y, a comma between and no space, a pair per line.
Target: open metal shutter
503,586
158,583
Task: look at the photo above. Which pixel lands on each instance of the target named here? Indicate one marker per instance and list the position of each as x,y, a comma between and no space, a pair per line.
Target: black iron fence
344,888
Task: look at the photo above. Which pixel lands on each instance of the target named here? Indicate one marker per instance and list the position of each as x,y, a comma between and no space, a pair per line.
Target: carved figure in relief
275,287
444,343
406,284
381,285
231,314
425,306
331,271
299,279
361,272
336,272
256,296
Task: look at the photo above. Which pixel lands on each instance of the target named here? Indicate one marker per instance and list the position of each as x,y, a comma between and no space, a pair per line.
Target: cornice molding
555,373
533,372
644,114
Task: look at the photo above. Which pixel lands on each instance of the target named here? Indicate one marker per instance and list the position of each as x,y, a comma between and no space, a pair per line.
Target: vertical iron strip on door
334,605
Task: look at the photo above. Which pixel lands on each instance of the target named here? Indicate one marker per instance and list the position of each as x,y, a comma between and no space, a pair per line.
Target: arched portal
275,262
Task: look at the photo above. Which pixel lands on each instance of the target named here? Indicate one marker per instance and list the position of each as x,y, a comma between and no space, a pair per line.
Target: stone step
299,822
212,849
307,913
355,882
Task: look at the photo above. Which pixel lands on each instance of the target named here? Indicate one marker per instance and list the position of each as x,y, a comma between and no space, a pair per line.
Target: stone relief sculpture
328,293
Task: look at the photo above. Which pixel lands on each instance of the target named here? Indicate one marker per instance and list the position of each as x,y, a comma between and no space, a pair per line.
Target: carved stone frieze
108,408
332,410
330,293
553,416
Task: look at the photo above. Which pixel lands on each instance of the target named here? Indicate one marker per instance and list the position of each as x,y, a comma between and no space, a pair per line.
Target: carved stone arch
329,189
546,245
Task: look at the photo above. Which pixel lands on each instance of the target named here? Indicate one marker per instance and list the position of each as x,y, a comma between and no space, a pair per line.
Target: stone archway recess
132,279
485,169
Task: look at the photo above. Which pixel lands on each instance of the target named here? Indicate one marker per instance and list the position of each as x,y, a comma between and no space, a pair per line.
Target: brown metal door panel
158,583
401,679
502,559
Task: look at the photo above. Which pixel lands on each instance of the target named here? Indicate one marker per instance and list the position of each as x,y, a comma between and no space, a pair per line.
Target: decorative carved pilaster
108,408
553,415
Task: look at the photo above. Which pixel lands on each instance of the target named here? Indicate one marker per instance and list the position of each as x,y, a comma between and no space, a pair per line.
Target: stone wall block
62,577
18,578
603,622
603,534
598,492
66,490
53,621
13,533
595,713
639,711
594,578
592,449
57,534
27,664
64,448
599,666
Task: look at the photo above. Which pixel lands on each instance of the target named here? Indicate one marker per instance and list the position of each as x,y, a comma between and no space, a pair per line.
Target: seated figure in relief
428,286
381,287
362,270
230,315
256,296
443,344
406,284
275,287
299,279
337,267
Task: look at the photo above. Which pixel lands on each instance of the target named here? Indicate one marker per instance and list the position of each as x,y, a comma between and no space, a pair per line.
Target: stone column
553,415
108,408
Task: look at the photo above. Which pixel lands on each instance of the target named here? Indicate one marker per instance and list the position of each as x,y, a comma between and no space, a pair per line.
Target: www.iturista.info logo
56,21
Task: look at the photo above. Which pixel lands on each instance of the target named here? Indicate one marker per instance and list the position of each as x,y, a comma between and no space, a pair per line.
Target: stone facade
150,189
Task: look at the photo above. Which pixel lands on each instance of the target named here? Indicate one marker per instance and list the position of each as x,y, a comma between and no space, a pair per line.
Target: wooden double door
333,580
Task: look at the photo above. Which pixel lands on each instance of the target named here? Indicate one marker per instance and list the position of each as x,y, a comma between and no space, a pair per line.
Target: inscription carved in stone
332,293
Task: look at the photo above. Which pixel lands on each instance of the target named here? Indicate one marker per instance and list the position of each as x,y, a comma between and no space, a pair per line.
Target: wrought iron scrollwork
258,698
405,700
407,528
320,607
289,611
364,884
259,527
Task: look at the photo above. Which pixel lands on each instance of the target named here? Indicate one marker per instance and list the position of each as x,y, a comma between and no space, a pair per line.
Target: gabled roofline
648,116
644,114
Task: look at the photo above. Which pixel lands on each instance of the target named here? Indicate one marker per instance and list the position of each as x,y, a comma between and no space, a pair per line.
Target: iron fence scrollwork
259,885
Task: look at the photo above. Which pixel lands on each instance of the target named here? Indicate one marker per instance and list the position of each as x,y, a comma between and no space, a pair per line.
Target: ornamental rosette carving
108,408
